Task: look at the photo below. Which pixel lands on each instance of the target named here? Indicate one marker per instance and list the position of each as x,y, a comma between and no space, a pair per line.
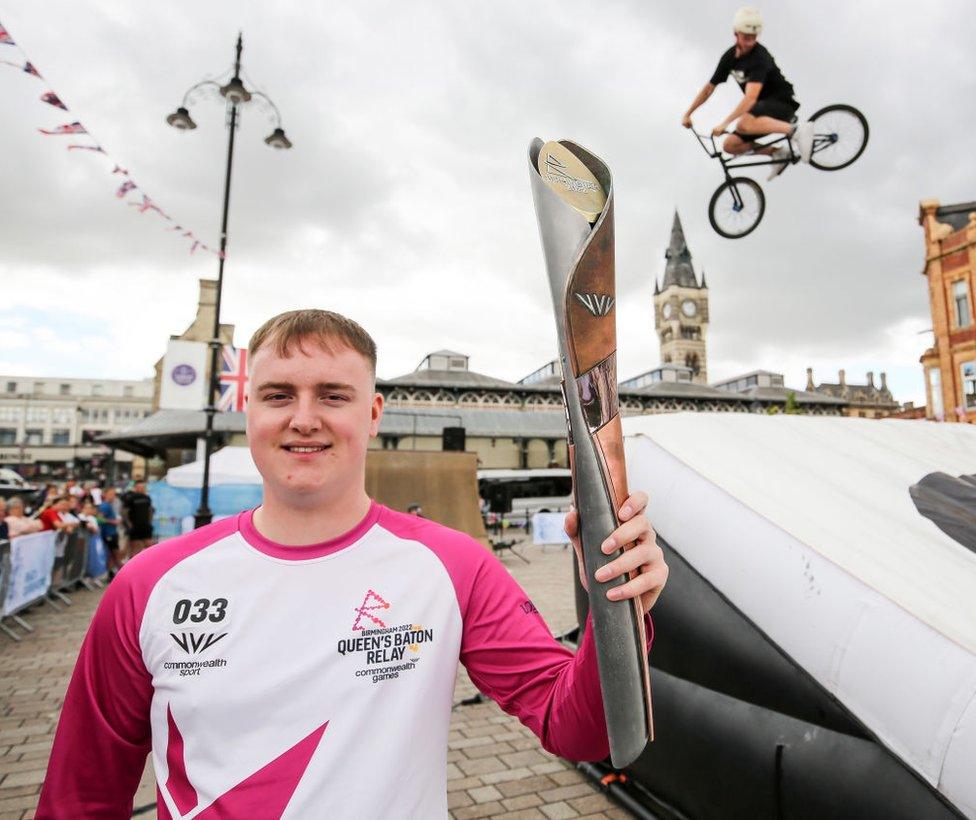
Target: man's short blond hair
325,328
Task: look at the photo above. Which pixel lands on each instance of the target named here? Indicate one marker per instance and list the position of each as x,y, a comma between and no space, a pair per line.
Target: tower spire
678,269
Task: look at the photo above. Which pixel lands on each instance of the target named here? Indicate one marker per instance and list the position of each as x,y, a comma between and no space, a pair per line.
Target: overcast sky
405,202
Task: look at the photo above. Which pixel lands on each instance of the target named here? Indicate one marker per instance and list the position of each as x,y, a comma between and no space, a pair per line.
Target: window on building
9,414
34,437
960,295
11,387
37,414
8,435
98,389
38,388
61,415
969,385
127,391
64,389
62,437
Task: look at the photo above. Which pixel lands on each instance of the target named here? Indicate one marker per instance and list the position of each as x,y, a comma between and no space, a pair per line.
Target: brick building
950,263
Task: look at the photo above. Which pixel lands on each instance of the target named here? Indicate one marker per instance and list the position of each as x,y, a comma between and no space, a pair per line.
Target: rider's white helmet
748,20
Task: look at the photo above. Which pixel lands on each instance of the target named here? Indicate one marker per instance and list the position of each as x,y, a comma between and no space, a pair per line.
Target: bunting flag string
76,129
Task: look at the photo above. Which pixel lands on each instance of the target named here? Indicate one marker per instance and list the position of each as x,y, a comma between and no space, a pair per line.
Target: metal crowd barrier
67,572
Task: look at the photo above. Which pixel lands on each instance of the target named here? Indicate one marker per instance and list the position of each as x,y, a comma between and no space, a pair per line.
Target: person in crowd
108,525
415,509
95,491
137,513
4,533
57,516
18,523
88,516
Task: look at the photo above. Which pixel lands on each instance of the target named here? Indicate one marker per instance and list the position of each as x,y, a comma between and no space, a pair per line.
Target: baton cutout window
598,392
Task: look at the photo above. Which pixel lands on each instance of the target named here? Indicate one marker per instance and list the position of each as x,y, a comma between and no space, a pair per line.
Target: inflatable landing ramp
815,649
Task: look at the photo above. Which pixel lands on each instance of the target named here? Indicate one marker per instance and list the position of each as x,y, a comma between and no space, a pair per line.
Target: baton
573,194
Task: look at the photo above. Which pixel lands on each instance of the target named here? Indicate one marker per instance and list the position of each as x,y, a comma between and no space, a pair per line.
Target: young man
299,659
768,105
137,514
108,525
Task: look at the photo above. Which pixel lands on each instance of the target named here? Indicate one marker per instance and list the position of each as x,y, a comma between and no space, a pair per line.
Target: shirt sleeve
512,657
721,73
103,735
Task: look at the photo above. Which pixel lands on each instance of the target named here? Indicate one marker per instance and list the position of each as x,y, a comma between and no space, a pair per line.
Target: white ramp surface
806,524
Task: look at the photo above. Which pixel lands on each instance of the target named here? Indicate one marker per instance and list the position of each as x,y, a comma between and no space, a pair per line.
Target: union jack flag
29,68
124,188
69,128
118,169
5,37
96,148
52,99
233,379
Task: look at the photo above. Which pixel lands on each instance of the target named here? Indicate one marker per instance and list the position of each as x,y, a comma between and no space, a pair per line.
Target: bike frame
744,160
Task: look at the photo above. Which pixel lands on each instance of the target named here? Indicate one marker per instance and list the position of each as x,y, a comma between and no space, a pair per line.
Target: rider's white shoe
803,135
781,156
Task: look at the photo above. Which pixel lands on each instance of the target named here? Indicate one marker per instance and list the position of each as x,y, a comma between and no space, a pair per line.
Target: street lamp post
234,92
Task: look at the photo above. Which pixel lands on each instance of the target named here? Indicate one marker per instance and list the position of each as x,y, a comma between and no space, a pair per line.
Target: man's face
109,495
140,487
744,42
309,419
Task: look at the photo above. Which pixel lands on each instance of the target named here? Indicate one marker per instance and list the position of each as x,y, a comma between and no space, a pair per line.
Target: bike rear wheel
737,207
840,137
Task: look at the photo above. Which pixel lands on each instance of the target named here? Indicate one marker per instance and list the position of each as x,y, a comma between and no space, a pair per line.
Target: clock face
666,310
689,308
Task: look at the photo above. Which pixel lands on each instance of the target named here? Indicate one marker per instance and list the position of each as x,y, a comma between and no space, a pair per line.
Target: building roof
446,378
956,215
858,393
678,269
682,390
782,393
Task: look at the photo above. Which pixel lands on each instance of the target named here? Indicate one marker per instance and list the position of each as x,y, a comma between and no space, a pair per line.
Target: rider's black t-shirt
758,66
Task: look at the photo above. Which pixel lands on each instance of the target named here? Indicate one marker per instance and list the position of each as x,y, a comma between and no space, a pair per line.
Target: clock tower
681,308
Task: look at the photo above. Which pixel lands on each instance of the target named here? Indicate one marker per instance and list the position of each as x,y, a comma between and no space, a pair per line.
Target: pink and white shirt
275,681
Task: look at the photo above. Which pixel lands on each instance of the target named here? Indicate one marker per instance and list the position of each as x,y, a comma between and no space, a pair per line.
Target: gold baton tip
571,180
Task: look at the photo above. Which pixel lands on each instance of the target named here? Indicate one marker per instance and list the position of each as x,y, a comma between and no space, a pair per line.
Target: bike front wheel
737,207
840,135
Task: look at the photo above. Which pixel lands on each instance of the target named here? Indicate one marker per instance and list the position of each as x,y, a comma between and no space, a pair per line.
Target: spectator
56,517
137,513
95,491
17,522
415,509
108,525
4,533
89,516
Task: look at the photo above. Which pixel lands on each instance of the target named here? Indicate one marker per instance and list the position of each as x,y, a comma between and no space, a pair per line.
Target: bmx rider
768,105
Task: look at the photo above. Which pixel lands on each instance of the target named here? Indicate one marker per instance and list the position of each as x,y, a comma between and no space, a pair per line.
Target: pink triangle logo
263,794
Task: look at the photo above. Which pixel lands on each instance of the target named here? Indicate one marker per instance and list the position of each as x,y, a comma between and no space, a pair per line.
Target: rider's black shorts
770,107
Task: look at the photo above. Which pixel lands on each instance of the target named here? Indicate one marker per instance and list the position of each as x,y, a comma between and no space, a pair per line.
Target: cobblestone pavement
496,767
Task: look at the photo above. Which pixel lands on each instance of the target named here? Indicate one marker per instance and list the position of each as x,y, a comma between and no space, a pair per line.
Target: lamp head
278,139
181,120
235,92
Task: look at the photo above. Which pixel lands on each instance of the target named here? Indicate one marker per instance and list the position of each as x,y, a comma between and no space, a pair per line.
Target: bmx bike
738,204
